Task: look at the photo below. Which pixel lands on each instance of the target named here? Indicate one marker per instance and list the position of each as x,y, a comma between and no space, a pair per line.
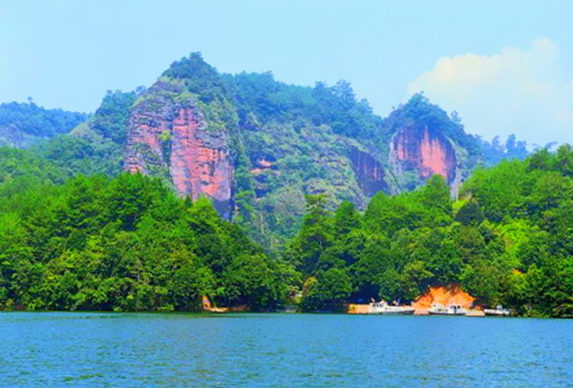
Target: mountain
256,146
253,145
96,145
22,125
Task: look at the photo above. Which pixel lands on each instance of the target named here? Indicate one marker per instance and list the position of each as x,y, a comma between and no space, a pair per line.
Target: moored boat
383,307
498,311
453,309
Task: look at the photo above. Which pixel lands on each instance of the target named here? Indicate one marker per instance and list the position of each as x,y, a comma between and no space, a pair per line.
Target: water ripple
278,350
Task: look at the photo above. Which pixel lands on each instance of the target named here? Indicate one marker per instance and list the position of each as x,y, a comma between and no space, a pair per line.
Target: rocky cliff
370,173
256,146
426,151
169,136
423,140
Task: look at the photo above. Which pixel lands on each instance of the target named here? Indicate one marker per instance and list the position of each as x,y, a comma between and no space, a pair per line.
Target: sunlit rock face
172,139
424,151
445,295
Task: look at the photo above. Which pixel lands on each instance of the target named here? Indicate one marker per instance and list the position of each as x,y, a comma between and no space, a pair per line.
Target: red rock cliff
425,151
173,140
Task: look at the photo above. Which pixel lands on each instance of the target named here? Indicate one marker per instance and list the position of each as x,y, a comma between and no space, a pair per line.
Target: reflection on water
281,350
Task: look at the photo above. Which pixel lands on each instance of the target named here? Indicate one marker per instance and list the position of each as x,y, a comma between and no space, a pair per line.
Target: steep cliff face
426,151
172,139
370,174
423,140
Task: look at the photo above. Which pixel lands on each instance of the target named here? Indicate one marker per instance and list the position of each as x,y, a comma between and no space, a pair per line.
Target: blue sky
505,66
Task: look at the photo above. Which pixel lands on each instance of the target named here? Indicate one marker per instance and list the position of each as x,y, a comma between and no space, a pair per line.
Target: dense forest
506,241
123,244
322,211
128,243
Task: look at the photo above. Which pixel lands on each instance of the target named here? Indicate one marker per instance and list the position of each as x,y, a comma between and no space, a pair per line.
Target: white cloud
521,92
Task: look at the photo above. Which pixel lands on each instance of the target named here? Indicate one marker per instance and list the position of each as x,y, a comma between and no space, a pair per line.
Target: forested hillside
22,125
96,145
252,191
506,241
122,244
256,146
129,243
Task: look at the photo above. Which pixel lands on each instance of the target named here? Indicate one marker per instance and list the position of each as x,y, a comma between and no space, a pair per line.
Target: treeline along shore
130,244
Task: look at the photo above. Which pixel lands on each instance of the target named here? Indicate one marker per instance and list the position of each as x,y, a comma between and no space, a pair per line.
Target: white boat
453,309
499,311
383,307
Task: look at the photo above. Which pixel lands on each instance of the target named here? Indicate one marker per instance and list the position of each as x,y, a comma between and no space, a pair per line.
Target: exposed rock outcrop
423,140
172,139
370,174
286,142
445,295
425,151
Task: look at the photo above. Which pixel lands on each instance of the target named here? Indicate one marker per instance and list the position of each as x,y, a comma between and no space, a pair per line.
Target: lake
282,350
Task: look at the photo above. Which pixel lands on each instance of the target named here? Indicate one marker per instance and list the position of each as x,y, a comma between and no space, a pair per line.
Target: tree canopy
125,244
129,243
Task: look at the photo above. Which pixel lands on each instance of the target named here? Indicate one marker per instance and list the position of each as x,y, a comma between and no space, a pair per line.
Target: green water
281,350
